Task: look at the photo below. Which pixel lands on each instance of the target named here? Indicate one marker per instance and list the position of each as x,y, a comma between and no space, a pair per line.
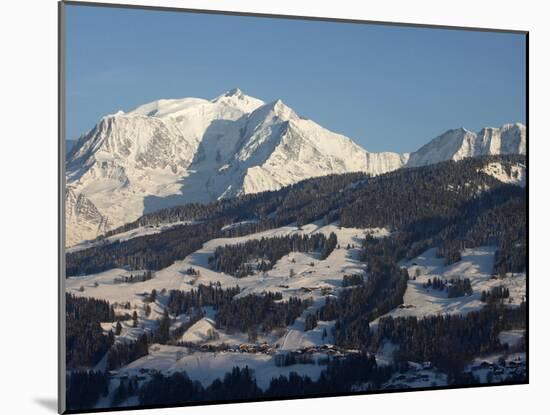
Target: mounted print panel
276,207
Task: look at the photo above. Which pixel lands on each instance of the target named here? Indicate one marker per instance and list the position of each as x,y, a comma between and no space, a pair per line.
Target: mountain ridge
174,151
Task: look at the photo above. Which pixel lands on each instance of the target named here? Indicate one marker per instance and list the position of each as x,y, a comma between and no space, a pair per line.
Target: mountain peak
509,126
135,162
456,144
275,112
278,104
453,132
237,98
282,110
235,93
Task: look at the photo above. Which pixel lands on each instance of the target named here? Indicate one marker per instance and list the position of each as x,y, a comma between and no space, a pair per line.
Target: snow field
311,278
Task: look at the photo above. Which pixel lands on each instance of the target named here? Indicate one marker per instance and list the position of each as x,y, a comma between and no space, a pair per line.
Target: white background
28,170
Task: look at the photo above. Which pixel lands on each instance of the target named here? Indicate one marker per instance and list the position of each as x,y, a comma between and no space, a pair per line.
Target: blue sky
389,88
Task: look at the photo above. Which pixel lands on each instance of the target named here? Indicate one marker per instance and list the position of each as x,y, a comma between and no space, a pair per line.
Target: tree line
86,343
262,313
253,313
495,294
438,205
381,292
255,255
240,383
184,302
448,341
455,287
123,352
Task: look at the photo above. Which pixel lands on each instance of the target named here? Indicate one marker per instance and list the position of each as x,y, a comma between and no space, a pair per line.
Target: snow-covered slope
133,163
512,174
298,274
475,264
176,151
282,149
82,217
461,143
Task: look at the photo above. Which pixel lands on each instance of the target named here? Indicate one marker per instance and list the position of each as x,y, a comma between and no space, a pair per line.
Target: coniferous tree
163,332
311,322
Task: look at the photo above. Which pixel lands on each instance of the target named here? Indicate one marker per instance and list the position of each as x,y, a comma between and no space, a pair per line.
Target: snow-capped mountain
280,148
170,152
460,143
176,151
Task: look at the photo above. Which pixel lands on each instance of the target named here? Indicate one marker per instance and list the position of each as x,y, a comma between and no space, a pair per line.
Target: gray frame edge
61,345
